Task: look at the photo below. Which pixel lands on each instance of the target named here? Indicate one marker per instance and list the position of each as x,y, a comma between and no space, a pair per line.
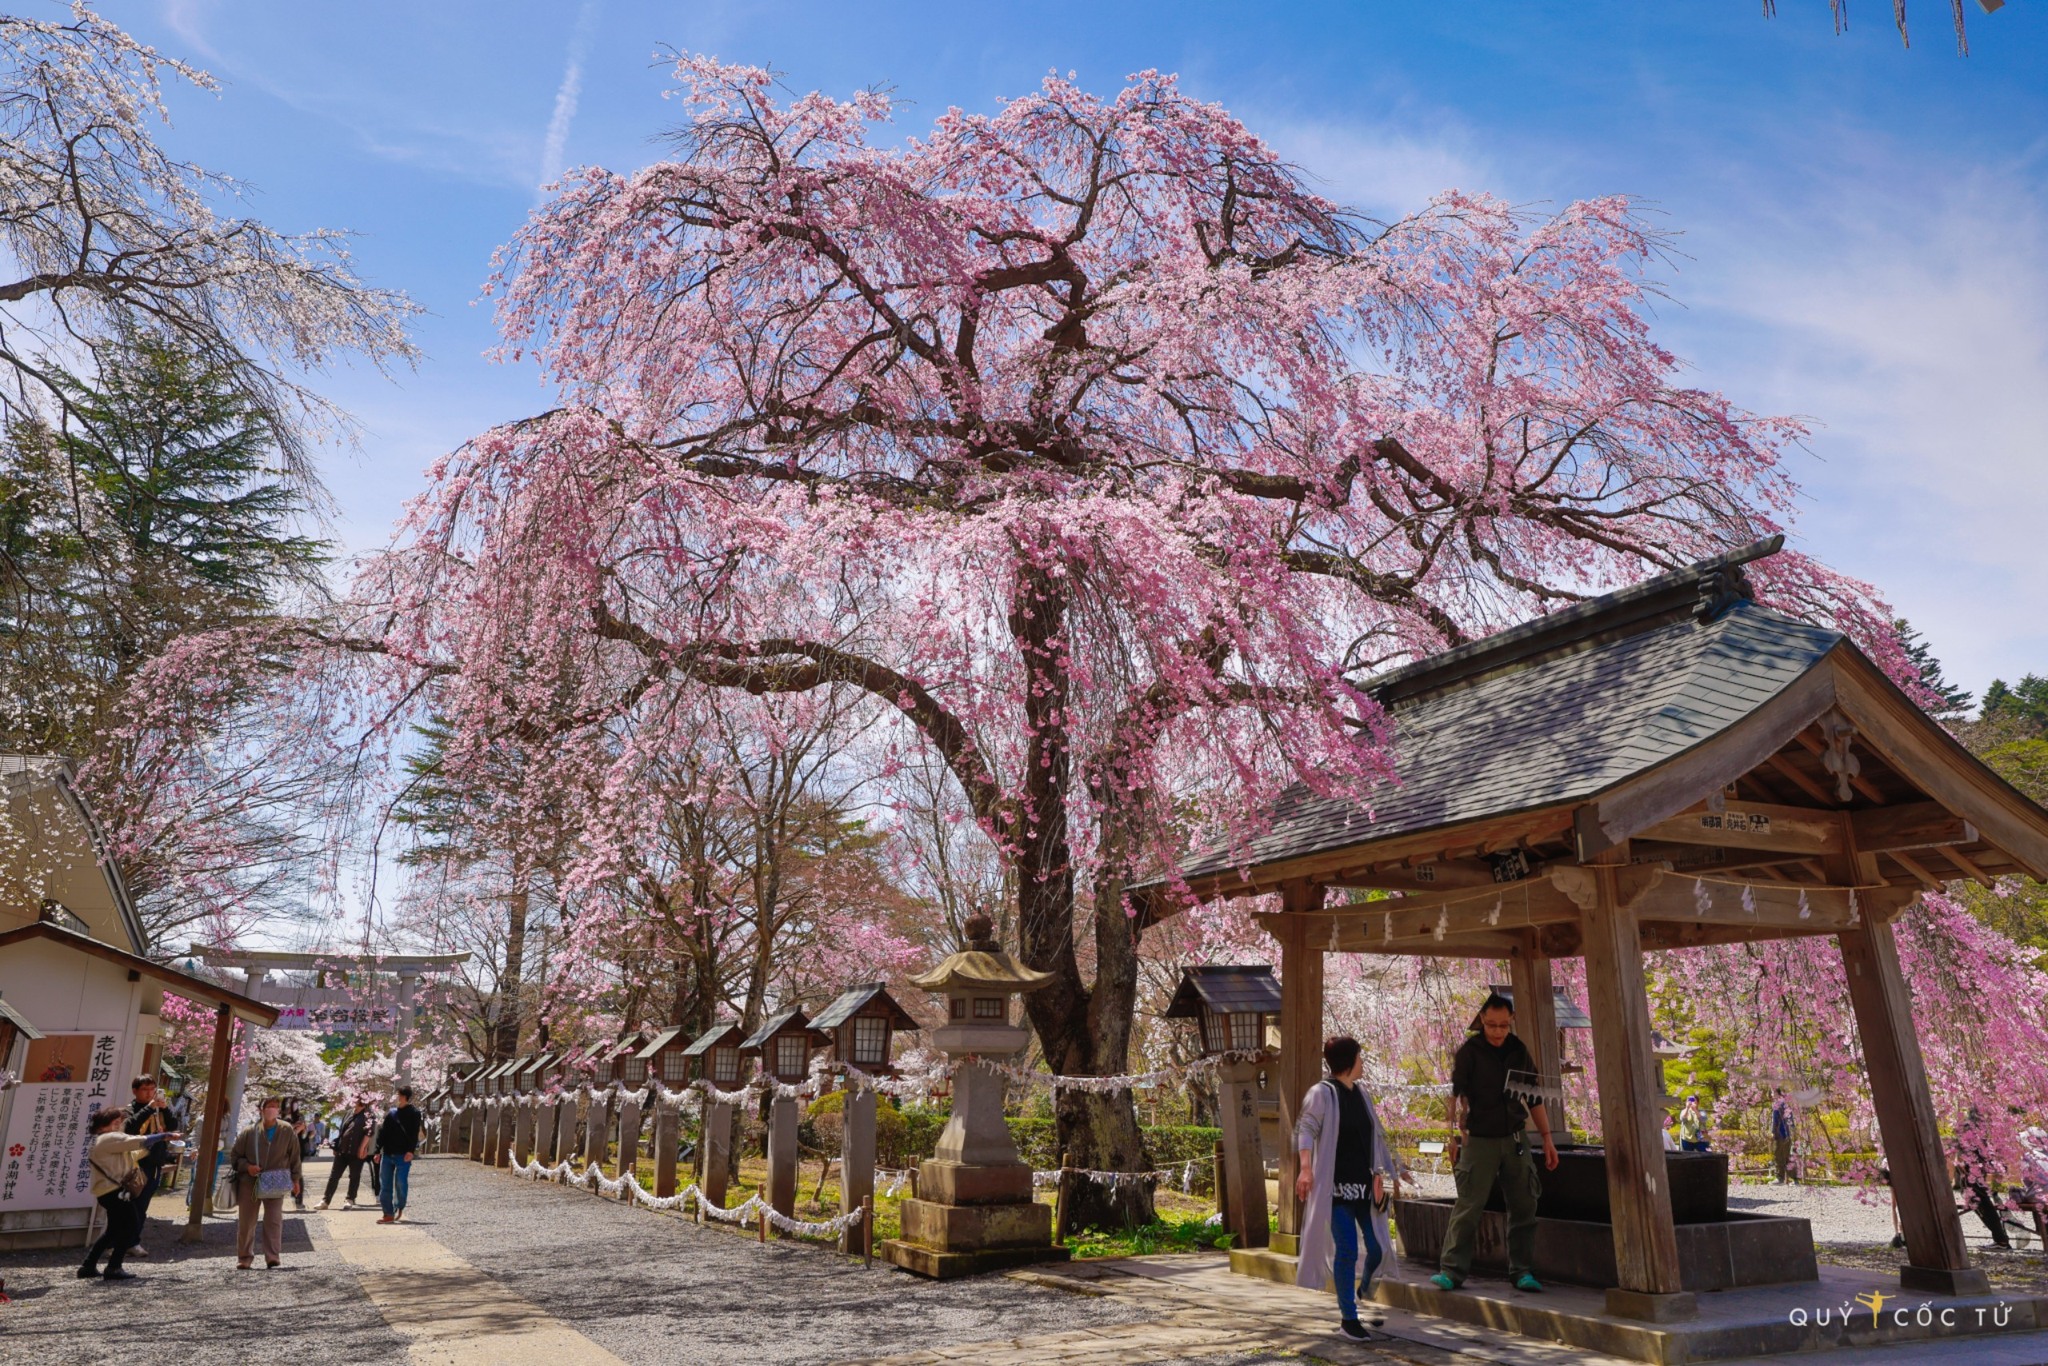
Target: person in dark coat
353,1146
147,1115
398,1141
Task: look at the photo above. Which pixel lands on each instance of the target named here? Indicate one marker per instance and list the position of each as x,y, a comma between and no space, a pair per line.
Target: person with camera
354,1145
266,1164
116,1183
148,1114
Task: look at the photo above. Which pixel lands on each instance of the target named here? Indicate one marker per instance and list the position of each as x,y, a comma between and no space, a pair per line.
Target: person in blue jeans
398,1142
1341,1183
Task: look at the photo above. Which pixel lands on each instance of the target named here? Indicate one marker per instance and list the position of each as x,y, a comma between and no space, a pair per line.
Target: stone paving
491,1269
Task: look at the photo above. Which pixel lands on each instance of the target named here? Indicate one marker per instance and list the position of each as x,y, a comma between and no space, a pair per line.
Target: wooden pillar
1935,1258
1241,1173
629,1137
856,1164
665,1125
526,1113
565,1130
1301,1039
782,1156
1536,1026
479,1128
508,1120
1638,1191
210,1127
715,1147
597,1128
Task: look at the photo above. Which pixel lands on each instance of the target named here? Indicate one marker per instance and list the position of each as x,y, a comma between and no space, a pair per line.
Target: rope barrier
628,1184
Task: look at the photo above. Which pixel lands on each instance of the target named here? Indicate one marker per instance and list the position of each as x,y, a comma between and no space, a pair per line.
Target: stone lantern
975,1212
1233,1005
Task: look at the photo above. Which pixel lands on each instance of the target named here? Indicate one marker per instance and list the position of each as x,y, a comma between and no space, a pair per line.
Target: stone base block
1935,1280
1739,1251
1263,1263
962,1228
962,1183
941,1265
1637,1304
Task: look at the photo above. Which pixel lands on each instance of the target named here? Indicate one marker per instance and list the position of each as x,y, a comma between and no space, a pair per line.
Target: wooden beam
1765,826
1785,769
1638,1194
1534,902
1970,869
1773,904
1917,869
1929,758
1477,945
1540,826
1669,788
1917,825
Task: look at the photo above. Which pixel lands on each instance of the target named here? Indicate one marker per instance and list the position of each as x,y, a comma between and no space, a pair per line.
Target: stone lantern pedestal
975,1211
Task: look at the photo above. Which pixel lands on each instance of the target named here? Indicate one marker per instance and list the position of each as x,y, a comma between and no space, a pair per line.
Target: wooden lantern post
783,1044
665,1125
1232,1006
861,1024
715,1054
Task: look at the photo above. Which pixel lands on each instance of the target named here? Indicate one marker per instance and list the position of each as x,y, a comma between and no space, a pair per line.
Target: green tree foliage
1954,700
2023,704
158,511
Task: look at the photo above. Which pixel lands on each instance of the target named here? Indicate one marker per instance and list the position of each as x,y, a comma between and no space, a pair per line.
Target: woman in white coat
1344,1171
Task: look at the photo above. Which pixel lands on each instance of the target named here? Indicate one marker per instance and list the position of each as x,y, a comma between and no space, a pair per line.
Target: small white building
82,1005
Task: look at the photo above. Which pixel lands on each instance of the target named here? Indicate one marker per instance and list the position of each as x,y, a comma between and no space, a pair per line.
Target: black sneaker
118,1274
1353,1329
88,1272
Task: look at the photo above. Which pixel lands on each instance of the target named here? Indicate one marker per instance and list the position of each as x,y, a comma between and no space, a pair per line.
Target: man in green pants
1491,1144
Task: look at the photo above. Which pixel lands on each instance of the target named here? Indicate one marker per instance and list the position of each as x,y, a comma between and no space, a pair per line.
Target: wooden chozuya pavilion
1667,766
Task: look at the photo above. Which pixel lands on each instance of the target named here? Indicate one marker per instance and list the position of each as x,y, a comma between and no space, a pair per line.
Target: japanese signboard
43,1157
336,1019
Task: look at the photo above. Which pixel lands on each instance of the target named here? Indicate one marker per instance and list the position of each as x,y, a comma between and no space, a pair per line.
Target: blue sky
1863,226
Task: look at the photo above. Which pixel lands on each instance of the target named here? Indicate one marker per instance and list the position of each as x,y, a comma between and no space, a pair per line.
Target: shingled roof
1557,710
1227,989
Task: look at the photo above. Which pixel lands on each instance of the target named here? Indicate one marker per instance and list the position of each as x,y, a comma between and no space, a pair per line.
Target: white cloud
1382,169
1898,304
555,145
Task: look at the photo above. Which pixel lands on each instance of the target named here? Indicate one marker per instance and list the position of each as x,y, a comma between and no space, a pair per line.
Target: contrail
555,144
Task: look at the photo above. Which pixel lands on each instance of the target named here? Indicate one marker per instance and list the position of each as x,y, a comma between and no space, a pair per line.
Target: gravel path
191,1306
656,1288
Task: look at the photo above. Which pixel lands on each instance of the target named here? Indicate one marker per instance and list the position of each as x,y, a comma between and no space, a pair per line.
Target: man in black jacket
351,1146
398,1140
148,1114
1491,1144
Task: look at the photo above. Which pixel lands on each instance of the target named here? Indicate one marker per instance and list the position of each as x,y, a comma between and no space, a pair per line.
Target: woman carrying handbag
116,1184
266,1163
